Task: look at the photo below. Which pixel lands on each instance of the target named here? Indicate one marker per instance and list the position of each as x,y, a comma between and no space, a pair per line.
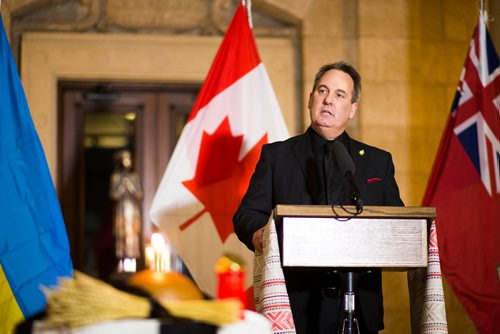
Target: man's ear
354,108
310,100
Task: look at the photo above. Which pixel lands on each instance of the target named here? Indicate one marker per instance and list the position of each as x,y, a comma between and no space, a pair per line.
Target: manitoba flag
235,114
465,186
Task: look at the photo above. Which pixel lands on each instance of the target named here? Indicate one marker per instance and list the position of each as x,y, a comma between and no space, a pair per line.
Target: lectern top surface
419,212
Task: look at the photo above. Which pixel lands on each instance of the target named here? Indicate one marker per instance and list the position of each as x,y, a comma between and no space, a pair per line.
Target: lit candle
149,256
159,254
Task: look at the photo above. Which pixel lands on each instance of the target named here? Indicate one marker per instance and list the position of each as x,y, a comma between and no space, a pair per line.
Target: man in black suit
293,172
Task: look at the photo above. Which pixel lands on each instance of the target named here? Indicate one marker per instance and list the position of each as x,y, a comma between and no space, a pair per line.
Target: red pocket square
373,180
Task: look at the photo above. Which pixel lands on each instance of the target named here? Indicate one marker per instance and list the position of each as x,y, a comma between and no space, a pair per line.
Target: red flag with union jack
465,186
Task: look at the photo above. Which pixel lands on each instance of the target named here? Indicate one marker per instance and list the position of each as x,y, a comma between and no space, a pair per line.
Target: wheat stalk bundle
84,300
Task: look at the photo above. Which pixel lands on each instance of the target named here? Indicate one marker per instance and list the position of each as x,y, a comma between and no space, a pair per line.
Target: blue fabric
34,248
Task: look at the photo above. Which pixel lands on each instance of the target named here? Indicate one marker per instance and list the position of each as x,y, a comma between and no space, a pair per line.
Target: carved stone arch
271,18
50,15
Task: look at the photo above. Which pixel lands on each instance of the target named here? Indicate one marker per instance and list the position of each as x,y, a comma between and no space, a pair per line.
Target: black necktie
329,169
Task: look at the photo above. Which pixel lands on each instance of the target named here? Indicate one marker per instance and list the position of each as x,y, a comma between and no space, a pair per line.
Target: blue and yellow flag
34,248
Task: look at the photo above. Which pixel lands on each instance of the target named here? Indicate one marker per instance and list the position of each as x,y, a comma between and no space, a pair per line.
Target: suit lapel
312,171
357,152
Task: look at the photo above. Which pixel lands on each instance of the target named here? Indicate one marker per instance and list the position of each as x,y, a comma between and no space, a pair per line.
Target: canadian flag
235,114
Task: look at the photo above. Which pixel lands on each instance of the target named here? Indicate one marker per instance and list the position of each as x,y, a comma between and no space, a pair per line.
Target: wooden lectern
390,238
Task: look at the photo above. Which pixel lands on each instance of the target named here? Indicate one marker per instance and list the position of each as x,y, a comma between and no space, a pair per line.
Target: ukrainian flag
34,249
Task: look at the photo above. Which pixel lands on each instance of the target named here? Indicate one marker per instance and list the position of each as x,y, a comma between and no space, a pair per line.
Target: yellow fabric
10,313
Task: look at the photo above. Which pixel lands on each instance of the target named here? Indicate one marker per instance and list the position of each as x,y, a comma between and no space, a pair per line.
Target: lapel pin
361,152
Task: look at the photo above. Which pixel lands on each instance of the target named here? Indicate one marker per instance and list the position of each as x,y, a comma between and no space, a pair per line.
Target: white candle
160,254
149,256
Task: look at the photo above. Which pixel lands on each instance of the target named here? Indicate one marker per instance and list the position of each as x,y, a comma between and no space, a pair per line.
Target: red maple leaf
221,180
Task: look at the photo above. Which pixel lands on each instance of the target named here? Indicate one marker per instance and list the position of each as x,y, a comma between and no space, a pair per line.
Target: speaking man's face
330,105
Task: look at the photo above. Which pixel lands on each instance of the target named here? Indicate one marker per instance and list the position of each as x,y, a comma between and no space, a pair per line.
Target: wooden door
96,120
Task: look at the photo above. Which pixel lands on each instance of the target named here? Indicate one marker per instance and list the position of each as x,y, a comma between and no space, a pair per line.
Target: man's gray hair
346,68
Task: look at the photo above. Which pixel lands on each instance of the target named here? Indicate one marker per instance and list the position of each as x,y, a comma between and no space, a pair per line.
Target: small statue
125,189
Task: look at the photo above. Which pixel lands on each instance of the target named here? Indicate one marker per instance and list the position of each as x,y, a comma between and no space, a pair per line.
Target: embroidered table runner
427,306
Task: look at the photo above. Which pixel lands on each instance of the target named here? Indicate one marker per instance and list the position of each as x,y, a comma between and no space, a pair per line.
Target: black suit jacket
287,173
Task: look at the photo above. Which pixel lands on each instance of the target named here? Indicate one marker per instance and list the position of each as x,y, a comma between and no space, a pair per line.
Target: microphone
348,169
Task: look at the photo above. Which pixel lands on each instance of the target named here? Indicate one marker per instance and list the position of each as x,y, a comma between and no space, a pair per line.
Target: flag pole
487,18
483,70
484,12
248,5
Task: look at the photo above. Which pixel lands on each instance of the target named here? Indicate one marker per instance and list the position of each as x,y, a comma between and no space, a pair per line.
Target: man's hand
257,240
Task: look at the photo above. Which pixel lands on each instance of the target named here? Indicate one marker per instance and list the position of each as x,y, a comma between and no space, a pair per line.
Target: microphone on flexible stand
350,278
348,169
